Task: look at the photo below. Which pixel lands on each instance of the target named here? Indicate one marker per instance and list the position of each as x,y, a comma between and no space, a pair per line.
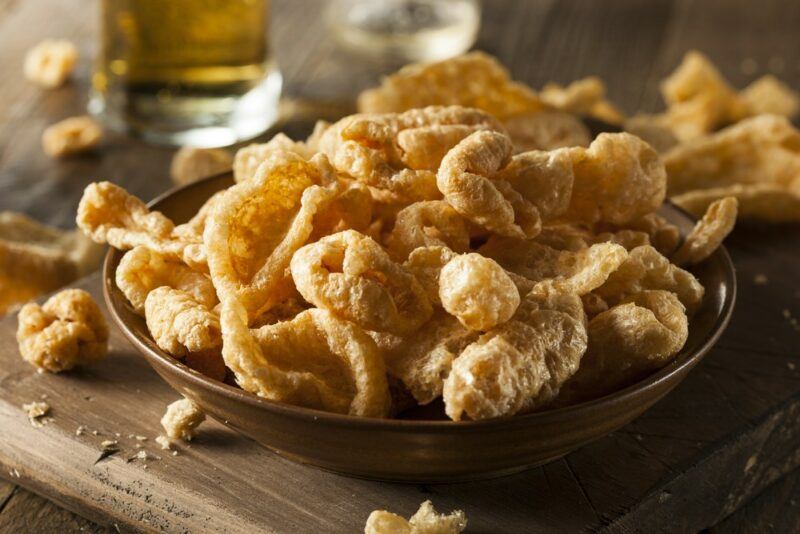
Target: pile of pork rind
422,250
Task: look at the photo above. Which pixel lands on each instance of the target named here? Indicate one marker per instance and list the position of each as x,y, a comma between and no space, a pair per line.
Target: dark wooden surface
695,459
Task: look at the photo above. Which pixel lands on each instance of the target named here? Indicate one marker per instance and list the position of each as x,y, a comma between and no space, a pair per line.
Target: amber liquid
186,70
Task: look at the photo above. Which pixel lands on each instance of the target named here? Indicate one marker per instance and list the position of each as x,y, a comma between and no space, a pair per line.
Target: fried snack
708,233
652,129
638,336
546,130
249,158
50,63
398,154
465,180
768,95
442,84
766,202
645,268
181,420
66,331
530,259
350,209
180,324
618,179
759,150
521,364
141,270
352,276
586,96
425,521
427,224
256,227
583,271
477,291
190,164
71,136
663,235
426,264
315,360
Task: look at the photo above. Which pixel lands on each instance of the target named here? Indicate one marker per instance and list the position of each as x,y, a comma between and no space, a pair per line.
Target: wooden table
697,458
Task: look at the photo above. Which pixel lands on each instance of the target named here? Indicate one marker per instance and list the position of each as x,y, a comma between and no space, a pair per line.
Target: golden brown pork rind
249,158
586,97
546,130
180,324
768,95
766,202
190,164
71,136
67,330
50,63
708,233
425,521
182,419
427,224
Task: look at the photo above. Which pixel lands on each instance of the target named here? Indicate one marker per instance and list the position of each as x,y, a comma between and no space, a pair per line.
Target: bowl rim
683,362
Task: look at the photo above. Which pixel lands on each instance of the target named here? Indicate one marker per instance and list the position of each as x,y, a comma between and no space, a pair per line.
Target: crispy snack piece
546,130
477,291
65,331
662,234
425,521
398,153
586,96
768,95
350,209
426,264
71,136
652,129
50,63
249,158
766,202
638,336
314,360
759,150
708,233
645,268
141,271
585,270
465,178
352,276
521,364
618,179
257,226
442,84
427,224
190,164
180,324
182,419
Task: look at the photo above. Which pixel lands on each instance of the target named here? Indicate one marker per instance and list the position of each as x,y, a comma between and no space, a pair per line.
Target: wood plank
27,512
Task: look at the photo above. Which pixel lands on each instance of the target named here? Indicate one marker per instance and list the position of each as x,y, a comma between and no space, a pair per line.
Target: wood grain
725,434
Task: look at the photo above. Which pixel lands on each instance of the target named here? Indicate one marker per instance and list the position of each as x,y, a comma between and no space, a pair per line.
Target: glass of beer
186,72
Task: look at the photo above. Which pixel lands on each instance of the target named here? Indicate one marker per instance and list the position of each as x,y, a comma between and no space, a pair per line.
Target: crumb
117,434
95,433
72,136
138,446
80,430
50,63
109,444
786,313
142,455
141,438
791,366
165,442
14,473
760,279
43,396
174,453
36,412
181,419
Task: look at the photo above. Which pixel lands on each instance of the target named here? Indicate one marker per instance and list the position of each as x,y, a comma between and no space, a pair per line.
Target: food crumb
141,438
181,419
109,444
791,366
95,433
138,446
80,430
36,412
165,442
760,279
174,453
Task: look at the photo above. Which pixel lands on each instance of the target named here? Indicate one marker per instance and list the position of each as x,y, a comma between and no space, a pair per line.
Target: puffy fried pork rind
180,324
662,234
352,276
426,264
425,521
546,130
768,95
182,419
50,62
398,153
66,331
766,202
350,209
249,158
35,258
586,96
708,233
489,88
645,268
618,179
314,360
142,270
521,364
477,291
653,130
636,337
71,136
190,164
256,227
427,224
465,178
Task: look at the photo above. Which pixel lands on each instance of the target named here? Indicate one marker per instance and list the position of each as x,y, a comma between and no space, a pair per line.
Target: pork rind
190,164
428,224
768,95
662,234
50,62
426,264
249,158
477,291
315,360
618,179
71,136
257,226
638,336
645,268
546,130
586,96
399,153
66,331
585,270
180,324
352,276
766,202
182,419
521,364
442,84
350,209
142,270
652,129
35,258
708,233
465,178
426,521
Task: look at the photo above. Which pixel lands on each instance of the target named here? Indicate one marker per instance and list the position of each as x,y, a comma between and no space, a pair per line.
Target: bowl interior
716,274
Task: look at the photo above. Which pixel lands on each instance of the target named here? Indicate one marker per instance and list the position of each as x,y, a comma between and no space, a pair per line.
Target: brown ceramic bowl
421,450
